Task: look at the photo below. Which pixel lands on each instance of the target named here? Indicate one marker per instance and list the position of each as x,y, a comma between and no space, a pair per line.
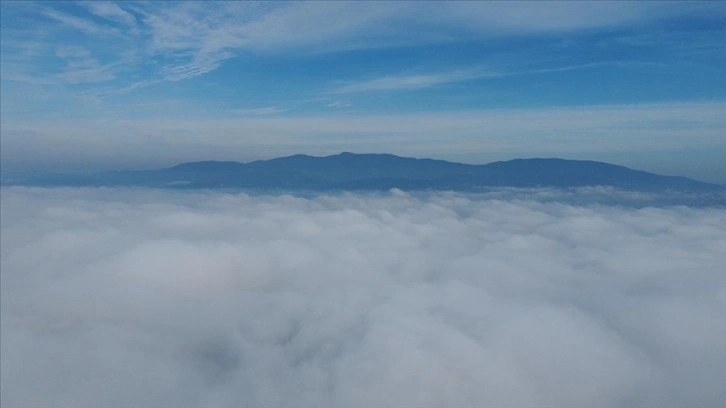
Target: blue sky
99,85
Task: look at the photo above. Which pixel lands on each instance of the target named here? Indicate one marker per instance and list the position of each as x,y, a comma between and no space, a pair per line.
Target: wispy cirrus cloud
88,75
40,80
428,80
193,39
264,111
338,104
413,82
111,11
78,23
199,64
82,67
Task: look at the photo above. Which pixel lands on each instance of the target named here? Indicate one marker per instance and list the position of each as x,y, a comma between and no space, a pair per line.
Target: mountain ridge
377,171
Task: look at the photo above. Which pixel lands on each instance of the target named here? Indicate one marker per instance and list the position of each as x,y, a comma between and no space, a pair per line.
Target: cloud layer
146,298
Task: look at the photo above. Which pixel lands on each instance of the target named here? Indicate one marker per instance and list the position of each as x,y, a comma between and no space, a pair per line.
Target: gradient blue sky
99,85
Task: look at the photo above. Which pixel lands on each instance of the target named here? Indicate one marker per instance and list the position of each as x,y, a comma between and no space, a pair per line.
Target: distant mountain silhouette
348,171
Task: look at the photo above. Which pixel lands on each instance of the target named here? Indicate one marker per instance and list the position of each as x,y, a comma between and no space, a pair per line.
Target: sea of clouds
149,298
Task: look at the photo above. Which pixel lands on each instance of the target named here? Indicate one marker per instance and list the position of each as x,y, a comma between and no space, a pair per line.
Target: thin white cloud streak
39,80
200,64
339,104
88,75
111,11
428,80
78,23
412,82
150,298
500,18
264,111
82,67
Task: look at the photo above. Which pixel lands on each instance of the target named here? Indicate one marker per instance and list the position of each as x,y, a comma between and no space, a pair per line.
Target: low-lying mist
148,298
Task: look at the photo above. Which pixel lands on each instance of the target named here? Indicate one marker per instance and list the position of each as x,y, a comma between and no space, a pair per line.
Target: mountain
348,171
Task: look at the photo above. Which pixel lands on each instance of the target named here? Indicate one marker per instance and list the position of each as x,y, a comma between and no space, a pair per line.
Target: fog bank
143,298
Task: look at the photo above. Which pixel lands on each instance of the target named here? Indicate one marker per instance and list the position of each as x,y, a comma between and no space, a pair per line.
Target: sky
148,298
126,85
